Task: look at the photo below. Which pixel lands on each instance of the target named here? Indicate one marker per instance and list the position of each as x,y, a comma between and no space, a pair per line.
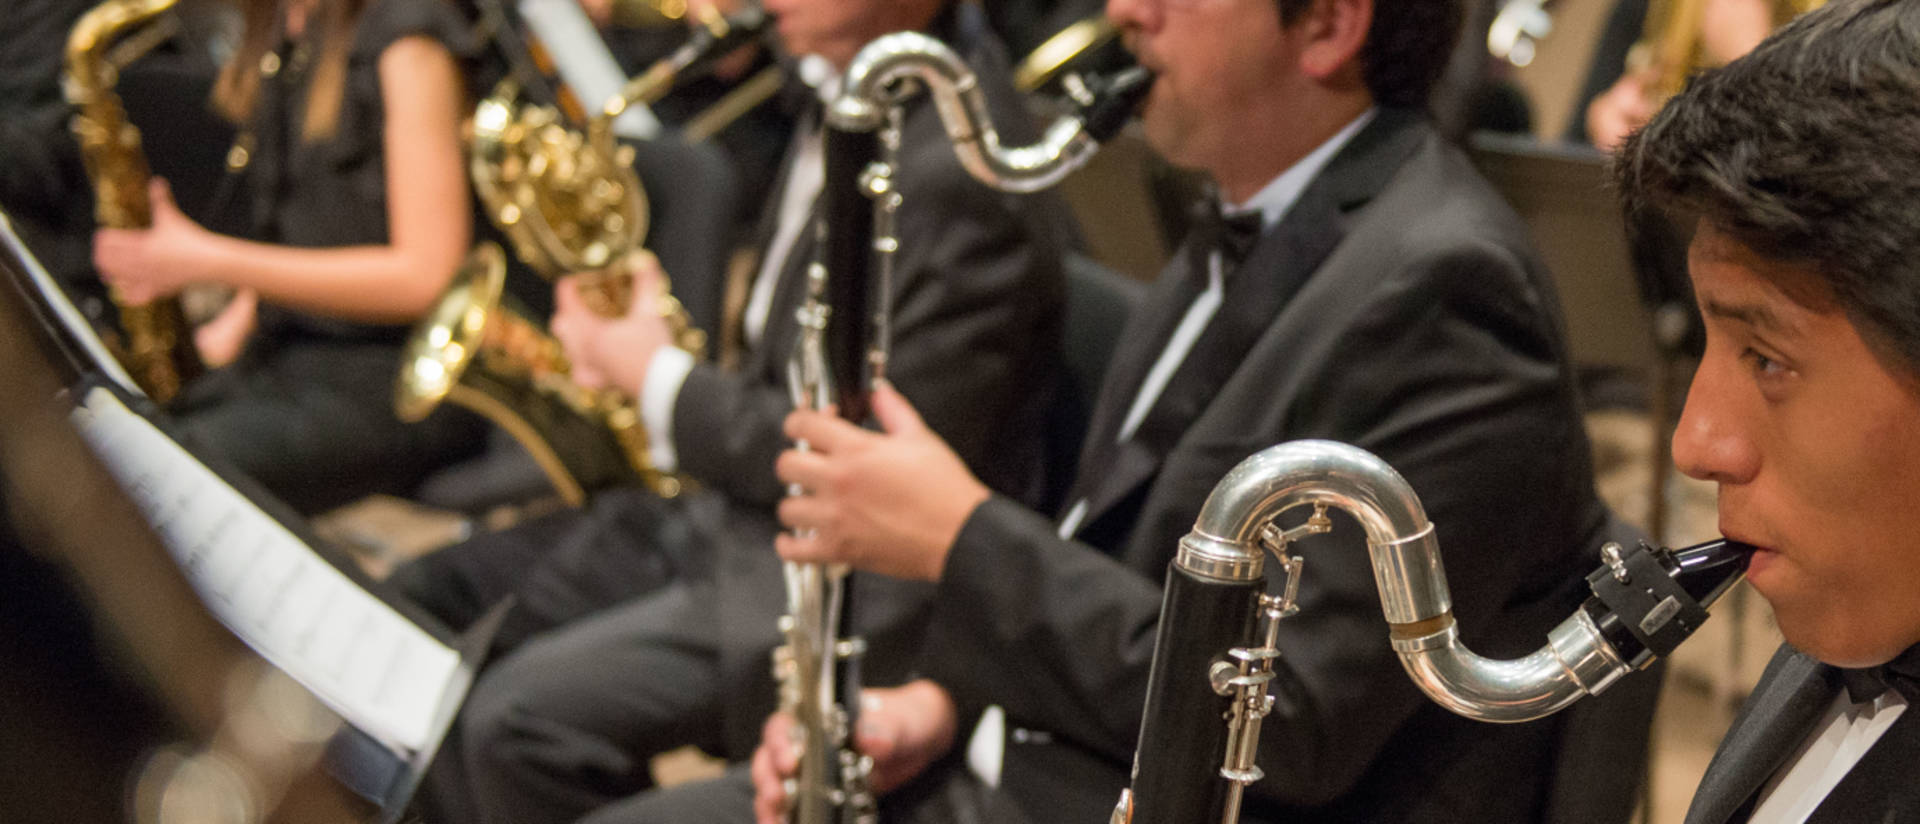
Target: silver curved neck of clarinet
871,86
1226,544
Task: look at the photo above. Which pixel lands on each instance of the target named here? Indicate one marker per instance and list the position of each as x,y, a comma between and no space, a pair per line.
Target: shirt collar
1283,191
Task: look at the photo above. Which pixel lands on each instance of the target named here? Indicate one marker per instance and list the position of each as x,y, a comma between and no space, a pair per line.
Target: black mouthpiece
1115,98
1647,601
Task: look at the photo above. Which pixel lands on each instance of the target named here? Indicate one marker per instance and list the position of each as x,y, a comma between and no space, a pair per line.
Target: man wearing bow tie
1799,166
1362,284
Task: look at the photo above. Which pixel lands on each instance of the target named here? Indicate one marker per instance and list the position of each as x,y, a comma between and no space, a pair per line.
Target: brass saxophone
568,203
1217,641
157,349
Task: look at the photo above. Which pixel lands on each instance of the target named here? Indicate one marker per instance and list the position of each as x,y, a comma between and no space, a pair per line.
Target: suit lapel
1283,260
1880,788
1140,344
777,338
1785,705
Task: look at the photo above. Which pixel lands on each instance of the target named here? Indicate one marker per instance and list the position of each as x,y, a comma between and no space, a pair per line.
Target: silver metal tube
871,87
1408,573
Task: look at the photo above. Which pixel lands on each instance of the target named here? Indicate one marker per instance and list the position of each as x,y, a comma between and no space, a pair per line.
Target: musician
1727,29
1366,286
360,213
568,721
1800,166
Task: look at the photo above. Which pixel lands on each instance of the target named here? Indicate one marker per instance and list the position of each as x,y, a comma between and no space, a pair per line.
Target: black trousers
610,655
946,793
313,422
625,543
568,722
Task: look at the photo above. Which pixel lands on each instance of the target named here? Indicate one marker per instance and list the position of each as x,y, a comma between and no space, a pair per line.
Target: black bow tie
1232,235
1902,674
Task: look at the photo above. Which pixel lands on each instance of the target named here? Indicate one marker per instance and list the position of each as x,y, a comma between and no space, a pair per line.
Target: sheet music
369,663
70,317
584,62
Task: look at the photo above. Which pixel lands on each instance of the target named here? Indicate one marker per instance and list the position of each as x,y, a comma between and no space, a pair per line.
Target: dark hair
237,90
1807,151
1407,49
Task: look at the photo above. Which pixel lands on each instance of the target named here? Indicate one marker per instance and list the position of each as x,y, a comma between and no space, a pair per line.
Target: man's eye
1764,365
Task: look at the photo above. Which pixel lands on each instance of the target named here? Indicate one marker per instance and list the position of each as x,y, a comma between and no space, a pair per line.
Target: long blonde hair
237,91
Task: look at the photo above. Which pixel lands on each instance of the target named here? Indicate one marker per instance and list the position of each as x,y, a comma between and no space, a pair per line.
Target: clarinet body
841,349
1216,643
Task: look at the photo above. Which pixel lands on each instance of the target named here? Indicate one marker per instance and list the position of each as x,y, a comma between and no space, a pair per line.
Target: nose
1713,441
1131,15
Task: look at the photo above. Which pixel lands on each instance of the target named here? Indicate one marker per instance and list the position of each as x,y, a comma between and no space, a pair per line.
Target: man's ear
1334,32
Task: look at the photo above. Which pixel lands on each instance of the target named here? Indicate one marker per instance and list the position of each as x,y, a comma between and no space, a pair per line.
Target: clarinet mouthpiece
1115,99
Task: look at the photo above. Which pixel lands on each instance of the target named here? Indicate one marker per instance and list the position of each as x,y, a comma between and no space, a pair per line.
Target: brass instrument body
157,348
475,351
570,205
1645,603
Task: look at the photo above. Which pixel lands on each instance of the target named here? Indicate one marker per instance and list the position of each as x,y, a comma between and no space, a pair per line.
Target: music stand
382,750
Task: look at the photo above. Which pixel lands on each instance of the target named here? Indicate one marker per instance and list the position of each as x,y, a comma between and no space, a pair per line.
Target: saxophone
568,203
156,348
1217,641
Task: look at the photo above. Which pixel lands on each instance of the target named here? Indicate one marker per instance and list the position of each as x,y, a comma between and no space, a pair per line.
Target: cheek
1855,585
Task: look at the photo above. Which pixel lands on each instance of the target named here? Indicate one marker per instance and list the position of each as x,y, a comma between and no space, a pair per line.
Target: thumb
896,414
160,195
566,296
877,736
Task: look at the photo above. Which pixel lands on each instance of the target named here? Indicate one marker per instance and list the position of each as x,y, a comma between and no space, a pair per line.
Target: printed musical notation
365,660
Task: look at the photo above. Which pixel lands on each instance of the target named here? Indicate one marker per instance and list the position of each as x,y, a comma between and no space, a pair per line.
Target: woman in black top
359,214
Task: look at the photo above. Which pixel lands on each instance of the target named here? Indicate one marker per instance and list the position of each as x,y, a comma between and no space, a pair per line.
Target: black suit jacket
1792,696
978,291
1399,307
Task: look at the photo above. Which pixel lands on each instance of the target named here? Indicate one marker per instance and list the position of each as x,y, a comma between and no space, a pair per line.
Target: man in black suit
1799,167
1384,296
568,720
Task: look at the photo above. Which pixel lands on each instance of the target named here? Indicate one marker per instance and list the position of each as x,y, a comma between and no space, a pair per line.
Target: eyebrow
1758,315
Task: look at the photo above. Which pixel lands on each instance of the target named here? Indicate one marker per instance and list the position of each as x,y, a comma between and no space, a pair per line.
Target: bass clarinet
845,338
1217,641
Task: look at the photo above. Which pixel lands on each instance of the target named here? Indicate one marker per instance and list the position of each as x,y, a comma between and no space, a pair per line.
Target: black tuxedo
567,721
1784,708
1399,307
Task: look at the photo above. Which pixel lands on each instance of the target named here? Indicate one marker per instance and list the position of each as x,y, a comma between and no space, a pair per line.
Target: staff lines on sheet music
376,668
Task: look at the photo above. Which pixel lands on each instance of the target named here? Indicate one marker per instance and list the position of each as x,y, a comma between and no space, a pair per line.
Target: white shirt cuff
666,373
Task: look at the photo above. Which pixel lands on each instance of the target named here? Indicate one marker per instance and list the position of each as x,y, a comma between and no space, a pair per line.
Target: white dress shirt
1838,742
668,369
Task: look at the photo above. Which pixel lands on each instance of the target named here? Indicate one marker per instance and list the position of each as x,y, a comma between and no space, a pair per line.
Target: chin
1839,640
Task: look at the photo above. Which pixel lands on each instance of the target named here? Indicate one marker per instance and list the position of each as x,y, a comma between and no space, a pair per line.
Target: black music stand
1623,282
60,347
